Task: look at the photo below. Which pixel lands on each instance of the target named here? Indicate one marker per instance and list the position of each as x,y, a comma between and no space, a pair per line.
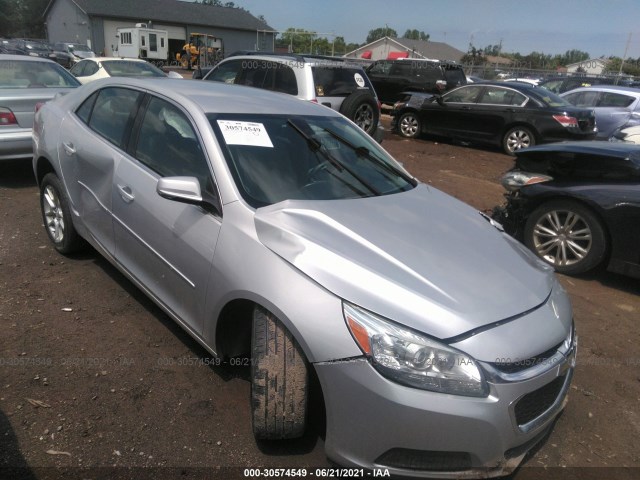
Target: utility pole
626,49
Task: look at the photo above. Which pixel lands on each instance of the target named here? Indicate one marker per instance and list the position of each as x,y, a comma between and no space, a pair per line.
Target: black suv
390,78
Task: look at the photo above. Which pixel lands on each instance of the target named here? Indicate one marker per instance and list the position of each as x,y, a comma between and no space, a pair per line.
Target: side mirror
174,74
439,100
180,189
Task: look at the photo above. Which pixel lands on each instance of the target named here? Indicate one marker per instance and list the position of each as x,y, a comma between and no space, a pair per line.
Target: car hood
421,258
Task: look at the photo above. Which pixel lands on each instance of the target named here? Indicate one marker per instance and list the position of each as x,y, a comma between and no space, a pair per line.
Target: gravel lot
96,382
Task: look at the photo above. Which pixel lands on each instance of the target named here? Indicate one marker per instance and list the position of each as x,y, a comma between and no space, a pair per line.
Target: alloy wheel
562,238
53,214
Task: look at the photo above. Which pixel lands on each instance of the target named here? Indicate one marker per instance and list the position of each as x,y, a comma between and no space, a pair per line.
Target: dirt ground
96,382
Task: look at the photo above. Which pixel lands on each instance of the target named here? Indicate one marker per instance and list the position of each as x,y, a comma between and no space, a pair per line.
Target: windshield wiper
316,146
364,152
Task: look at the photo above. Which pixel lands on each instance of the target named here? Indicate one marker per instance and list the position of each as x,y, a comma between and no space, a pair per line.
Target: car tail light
7,117
566,121
441,85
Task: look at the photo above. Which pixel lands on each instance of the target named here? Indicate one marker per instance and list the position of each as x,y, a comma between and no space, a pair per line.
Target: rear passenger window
582,99
501,96
609,99
84,111
113,113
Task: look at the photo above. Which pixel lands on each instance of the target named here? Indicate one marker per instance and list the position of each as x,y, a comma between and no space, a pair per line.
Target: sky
599,27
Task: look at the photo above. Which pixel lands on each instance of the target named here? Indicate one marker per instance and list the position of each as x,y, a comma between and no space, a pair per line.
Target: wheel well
233,331
233,339
43,166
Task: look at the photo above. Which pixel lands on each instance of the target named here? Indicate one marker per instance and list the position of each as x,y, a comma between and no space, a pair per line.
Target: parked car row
64,53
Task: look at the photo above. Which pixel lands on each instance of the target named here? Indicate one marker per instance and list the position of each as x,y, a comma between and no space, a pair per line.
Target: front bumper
374,423
16,143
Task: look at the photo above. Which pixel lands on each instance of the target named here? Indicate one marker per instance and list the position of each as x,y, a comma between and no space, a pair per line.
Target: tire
279,380
517,138
409,125
567,235
56,215
362,108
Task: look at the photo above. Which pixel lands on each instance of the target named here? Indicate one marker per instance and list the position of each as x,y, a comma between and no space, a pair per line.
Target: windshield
275,157
125,68
78,47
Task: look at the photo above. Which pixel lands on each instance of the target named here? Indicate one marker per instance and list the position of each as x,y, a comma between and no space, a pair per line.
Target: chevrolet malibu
276,230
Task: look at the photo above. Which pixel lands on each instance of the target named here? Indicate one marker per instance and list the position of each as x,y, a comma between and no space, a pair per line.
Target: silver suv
332,82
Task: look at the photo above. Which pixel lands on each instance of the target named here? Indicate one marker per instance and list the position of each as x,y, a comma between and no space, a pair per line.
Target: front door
166,245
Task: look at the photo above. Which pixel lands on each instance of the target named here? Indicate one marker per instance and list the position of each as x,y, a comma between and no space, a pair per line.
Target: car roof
515,85
23,58
103,59
218,97
606,88
301,58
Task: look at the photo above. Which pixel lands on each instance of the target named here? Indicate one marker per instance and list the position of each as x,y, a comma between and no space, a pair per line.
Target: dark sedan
576,205
511,115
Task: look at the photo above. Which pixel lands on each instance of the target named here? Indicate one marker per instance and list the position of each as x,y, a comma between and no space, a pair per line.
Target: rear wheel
56,215
516,139
566,235
279,380
362,108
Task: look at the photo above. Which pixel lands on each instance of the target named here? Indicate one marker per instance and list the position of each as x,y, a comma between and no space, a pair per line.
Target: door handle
69,148
126,193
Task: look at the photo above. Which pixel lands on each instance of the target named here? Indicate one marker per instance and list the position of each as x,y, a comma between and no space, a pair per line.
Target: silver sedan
24,82
276,230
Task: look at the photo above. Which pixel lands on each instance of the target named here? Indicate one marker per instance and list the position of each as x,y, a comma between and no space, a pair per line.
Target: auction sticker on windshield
244,133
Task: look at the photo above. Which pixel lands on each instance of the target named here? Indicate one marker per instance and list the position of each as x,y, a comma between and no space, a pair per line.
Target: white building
595,66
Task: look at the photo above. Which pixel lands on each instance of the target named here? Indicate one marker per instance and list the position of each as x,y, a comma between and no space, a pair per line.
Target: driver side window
168,144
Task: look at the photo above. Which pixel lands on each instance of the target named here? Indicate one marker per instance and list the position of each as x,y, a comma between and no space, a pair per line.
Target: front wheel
279,380
516,139
56,215
409,125
566,235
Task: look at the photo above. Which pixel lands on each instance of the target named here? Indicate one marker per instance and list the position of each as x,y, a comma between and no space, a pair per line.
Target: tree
381,32
416,35
22,18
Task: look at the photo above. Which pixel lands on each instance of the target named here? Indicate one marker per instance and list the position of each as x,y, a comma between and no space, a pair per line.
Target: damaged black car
576,205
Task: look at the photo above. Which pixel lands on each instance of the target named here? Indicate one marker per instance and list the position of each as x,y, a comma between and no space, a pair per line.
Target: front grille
534,404
517,366
425,460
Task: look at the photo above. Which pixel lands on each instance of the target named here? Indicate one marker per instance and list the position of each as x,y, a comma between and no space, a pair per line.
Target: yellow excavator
202,50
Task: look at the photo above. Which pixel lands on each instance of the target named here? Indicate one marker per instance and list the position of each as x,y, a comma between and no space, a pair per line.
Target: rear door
494,110
166,245
613,110
91,144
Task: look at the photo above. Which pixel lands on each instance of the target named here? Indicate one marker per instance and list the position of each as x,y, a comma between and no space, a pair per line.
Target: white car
91,69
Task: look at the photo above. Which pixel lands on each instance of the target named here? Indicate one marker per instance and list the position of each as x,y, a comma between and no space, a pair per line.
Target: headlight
412,359
515,179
